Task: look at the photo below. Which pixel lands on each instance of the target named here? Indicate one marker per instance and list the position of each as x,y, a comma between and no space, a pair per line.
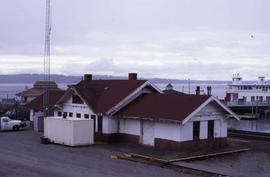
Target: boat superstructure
243,93
248,98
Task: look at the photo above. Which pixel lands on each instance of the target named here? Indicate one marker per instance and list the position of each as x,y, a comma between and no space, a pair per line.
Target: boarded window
100,121
78,115
196,130
70,114
94,118
86,116
76,99
211,129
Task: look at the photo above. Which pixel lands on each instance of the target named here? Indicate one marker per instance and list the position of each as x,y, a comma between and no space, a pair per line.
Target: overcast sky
197,39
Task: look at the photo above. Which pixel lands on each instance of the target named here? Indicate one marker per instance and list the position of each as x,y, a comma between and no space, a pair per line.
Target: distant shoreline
31,78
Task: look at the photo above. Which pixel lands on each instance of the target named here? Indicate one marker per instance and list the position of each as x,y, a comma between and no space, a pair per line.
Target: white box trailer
70,132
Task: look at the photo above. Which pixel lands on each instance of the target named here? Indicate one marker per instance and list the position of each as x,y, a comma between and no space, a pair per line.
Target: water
256,125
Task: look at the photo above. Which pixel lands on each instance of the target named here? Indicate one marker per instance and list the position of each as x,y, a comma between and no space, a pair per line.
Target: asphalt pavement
23,155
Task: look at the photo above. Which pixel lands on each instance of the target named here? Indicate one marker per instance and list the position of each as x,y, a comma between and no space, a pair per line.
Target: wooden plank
185,158
208,155
148,158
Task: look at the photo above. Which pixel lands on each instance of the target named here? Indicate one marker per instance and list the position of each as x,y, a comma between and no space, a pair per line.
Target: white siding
204,129
109,125
220,128
168,131
76,108
68,107
186,131
34,115
128,126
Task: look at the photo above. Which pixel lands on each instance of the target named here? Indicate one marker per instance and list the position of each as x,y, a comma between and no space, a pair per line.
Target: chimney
88,77
132,76
209,90
198,90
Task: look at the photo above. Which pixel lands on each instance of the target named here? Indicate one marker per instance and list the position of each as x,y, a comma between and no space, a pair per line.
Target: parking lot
22,154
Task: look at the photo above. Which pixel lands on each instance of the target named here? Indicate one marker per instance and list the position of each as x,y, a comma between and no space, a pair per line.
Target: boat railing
247,103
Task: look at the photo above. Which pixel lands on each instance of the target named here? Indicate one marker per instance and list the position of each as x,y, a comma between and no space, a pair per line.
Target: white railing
247,103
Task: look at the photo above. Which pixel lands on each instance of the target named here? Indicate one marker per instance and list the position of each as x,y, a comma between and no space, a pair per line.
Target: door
148,133
5,123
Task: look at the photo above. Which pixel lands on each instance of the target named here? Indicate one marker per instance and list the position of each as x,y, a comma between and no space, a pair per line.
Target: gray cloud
157,38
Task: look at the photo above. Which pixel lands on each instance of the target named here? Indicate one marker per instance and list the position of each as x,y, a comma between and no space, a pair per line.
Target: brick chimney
209,90
132,76
88,77
198,90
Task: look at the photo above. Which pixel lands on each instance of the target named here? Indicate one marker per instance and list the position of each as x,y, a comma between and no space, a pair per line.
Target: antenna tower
47,54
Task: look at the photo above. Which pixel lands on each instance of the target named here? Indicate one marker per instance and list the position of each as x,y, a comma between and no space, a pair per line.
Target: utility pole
47,54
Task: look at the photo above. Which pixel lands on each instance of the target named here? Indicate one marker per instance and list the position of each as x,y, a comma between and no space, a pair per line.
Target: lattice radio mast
47,53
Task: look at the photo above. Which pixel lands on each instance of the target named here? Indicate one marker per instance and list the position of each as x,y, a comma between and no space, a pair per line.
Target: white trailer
70,132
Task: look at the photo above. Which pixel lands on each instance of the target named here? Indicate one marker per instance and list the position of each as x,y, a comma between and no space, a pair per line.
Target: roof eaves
150,119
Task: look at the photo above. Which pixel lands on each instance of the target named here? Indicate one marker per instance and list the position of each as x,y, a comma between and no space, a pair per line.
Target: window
59,114
211,125
252,98
78,115
100,120
5,120
94,118
86,116
70,114
196,130
65,115
76,99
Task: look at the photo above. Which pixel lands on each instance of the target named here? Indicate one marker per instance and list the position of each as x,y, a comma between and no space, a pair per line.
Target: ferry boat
248,98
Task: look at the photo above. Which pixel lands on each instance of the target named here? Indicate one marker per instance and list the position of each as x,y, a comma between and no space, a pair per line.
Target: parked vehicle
8,124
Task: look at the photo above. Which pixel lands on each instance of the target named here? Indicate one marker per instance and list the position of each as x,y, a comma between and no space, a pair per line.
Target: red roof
38,89
53,95
102,95
174,107
33,92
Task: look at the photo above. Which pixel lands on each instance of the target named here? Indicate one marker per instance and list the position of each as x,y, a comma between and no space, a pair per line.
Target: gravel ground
253,163
22,155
